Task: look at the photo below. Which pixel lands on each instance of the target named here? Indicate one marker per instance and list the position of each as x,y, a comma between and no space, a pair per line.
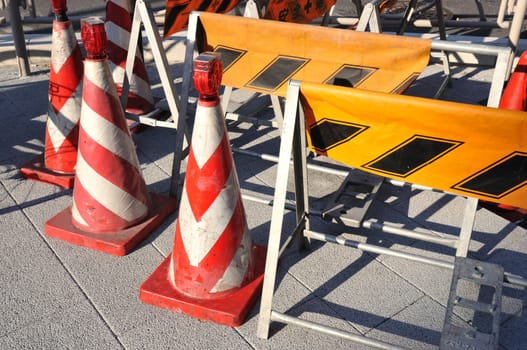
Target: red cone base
36,170
116,243
231,310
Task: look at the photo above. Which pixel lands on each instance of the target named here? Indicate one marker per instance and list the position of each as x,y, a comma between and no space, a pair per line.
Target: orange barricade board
178,11
262,55
465,149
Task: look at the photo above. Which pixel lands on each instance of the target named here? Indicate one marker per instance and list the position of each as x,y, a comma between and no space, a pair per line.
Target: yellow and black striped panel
465,149
262,55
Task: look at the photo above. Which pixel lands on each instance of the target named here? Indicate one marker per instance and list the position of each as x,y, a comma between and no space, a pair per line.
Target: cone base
116,243
36,170
231,310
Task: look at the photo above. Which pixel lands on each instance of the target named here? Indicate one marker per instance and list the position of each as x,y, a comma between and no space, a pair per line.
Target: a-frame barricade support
143,16
294,142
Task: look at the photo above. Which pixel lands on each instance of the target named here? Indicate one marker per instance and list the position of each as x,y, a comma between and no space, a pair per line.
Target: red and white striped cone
215,271
112,210
57,164
118,27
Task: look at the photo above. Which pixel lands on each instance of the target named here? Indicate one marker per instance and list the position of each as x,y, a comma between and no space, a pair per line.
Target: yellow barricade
262,55
465,149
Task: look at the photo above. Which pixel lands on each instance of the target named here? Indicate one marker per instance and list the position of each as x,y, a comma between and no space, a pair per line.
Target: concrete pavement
59,296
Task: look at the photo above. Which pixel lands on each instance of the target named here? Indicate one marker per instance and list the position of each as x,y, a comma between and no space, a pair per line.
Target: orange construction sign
298,11
262,55
464,149
178,12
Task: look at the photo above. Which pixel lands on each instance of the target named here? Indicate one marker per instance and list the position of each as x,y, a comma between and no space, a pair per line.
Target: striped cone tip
118,27
57,164
215,271
110,193
111,211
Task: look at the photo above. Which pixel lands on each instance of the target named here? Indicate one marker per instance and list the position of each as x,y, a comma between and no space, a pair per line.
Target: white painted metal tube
283,318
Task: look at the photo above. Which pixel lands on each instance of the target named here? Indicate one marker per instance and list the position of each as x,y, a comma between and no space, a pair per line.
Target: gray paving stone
413,329
357,287
76,327
294,337
168,330
34,281
511,336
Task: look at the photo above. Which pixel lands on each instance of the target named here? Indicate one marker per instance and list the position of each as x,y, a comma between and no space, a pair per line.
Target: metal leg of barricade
18,38
370,18
516,7
407,16
273,246
143,15
502,67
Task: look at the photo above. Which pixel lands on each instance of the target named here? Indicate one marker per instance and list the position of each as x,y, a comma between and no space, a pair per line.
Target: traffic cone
515,94
112,210
514,97
118,26
215,272
57,164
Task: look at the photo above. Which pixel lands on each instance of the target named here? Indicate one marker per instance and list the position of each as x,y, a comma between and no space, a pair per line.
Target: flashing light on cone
215,272
112,210
57,164
118,28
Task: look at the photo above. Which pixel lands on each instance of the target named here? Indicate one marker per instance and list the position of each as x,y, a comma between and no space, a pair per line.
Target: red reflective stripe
113,168
210,180
104,104
97,216
199,280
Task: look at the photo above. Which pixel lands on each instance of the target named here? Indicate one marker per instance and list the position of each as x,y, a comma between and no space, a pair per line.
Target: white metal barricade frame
143,16
178,106
293,144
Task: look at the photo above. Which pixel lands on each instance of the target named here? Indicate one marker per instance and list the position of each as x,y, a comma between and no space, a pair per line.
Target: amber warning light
93,37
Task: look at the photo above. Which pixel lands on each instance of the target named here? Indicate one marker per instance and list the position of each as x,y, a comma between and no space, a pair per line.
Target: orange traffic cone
57,164
215,271
515,94
118,27
112,210
514,97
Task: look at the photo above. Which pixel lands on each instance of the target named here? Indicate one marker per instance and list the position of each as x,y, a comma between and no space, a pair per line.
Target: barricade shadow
486,241
512,261
358,317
